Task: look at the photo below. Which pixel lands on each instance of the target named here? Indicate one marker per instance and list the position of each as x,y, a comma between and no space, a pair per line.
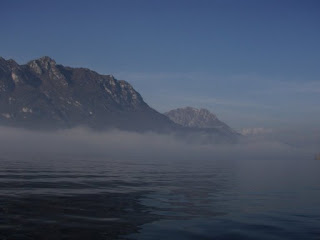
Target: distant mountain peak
199,111
193,117
197,118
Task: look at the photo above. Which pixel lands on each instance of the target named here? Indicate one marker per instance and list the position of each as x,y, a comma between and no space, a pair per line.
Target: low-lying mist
118,144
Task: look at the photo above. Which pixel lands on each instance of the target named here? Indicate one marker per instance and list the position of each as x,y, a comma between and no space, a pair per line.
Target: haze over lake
149,186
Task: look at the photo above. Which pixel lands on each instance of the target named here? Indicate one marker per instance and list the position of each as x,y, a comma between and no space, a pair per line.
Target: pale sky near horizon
255,63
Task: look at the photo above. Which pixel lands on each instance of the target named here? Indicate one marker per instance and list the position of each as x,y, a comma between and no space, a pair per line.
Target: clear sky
253,63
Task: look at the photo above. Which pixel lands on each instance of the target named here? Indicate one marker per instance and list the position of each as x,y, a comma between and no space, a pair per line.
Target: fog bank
130,145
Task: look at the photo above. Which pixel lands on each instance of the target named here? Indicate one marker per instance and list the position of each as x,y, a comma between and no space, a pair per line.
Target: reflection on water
97,198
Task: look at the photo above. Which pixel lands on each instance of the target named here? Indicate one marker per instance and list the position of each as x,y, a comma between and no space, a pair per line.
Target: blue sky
253,63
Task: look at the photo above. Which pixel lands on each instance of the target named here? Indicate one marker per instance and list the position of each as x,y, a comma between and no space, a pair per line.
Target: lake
94,197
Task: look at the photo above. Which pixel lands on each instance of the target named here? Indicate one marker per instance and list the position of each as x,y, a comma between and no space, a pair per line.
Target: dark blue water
98,198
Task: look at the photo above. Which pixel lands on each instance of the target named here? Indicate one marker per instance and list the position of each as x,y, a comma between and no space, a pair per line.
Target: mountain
199,119
45,95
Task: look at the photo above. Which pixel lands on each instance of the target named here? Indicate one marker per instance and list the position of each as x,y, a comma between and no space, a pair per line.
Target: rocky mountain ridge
43,94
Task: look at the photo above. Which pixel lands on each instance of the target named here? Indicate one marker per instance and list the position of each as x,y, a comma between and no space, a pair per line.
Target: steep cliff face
42,94
199,119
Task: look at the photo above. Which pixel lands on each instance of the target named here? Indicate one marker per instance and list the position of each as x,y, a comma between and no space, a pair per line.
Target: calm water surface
99,198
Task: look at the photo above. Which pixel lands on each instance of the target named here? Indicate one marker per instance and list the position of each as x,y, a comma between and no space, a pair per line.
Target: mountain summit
43,94
198,118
